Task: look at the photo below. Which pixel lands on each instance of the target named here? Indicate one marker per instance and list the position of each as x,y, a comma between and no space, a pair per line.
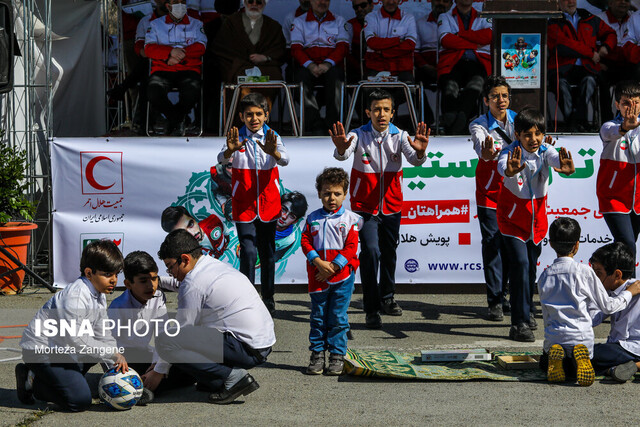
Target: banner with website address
117,188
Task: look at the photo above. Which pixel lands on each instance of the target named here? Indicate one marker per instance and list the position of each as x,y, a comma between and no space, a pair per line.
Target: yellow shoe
555,371
585,374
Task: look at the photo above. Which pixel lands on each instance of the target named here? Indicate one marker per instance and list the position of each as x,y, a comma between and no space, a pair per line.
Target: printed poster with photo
520,63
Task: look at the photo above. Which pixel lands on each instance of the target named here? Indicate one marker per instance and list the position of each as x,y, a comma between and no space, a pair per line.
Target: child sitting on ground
143,300
619,357
566,289
59,378
330,242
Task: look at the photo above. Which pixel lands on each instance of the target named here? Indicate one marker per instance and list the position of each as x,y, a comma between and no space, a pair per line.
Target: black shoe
146,398
521,333
533,325
205,387
623,373
242,388
495,313
350,335
22,375
391,307
506,307
271,305
373,321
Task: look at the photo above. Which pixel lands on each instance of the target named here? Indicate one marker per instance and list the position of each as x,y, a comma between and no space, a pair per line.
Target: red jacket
163,35
391,41
618,182
315,41
376,176
566,45
455,40
332,236
255,180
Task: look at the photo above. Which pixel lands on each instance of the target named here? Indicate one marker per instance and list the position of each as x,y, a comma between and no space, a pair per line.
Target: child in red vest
618,182
522,209
255,190
330,242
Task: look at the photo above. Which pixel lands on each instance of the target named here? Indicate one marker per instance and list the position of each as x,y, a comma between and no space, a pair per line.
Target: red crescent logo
89,170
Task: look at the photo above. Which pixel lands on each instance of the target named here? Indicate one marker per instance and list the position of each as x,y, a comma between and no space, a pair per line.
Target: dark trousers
162,82
258,238
186,346
461,90
568,363
494,257
62,383
568,102
523,258
331,82
608,355
624,228
378,242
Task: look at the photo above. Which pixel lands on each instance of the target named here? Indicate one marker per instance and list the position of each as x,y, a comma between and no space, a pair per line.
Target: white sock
236,375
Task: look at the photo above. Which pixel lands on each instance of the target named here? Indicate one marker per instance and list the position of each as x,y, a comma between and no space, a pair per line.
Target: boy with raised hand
618,182
142,300
376,195
619,357
567,288
55,366
522,210
330,243
490,133
255,190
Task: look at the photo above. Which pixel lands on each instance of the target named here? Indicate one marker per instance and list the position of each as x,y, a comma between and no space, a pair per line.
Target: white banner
117,188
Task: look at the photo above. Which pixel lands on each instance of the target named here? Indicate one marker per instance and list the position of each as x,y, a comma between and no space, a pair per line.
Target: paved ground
287,397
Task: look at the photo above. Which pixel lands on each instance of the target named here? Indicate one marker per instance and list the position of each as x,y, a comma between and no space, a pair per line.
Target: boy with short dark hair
619,357
330,243
224,326
566,289
376,195
618,184
143,300
255,190
490,133
522,210
59,378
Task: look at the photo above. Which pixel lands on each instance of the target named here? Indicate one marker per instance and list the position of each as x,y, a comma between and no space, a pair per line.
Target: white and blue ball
120,391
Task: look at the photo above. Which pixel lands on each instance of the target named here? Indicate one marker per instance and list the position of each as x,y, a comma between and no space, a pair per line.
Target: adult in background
175,44
249,39
616,66
356,52
464,63
577,43
319,43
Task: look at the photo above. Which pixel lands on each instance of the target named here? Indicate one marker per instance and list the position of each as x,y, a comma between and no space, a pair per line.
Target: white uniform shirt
625,324
127,307
78,301
567,288
216,295
486,125
533,180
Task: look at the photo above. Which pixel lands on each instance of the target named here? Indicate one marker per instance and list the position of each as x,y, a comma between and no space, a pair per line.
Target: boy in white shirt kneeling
567,288
619,357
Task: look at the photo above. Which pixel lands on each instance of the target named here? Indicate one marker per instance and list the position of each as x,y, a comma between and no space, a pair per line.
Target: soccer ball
120,391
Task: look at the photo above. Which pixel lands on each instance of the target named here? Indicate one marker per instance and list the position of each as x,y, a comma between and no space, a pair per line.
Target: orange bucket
15,238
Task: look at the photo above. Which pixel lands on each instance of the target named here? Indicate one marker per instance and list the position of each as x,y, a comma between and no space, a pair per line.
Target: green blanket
409,366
